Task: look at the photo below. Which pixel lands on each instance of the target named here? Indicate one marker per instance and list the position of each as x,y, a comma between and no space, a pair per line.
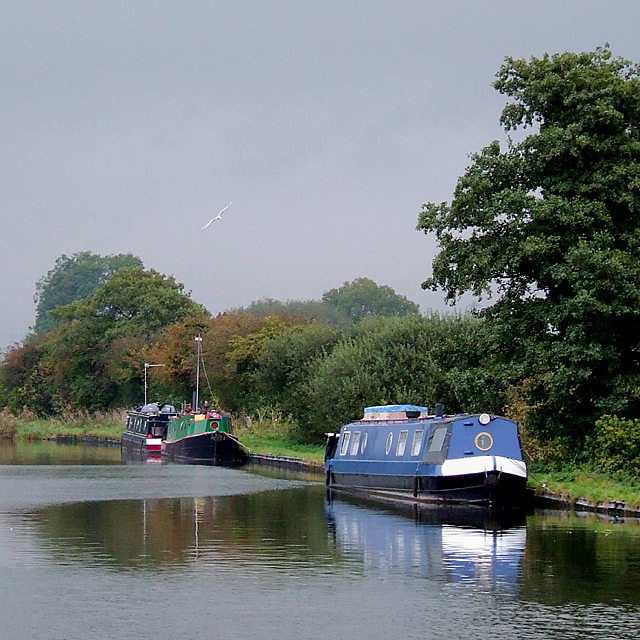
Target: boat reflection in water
451,544
139,456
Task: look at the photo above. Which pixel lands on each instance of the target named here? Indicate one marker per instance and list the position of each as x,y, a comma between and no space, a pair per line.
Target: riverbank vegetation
79,424
547,231
572,483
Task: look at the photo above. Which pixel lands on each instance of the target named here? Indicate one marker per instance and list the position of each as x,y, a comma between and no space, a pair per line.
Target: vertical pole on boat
199,341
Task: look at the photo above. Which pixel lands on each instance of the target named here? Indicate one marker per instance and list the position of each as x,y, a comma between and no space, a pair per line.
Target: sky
125,126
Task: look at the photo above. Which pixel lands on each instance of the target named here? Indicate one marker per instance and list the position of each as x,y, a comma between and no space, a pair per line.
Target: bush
7,425
409,360
615,445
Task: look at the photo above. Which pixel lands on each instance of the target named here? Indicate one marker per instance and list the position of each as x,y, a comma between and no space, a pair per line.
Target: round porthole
484,441
389,442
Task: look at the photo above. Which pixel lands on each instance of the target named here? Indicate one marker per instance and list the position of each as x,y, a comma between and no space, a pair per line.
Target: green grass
574,483
270,433
282,447
80,425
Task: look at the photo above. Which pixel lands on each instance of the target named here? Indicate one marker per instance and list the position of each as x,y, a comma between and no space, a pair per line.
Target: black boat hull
133,442
480,488
213,448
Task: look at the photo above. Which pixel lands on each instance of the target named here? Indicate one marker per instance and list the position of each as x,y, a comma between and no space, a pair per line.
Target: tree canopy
550,227
74,278
94,358
363,297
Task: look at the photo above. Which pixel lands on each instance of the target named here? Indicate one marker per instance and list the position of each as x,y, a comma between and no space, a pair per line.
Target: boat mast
199,341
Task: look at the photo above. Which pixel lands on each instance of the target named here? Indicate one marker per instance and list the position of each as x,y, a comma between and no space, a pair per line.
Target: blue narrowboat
401,451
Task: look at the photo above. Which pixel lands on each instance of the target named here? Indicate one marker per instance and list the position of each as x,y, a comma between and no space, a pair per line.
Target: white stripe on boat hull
484,464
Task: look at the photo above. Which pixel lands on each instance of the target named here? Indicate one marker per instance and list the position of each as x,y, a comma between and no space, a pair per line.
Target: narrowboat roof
153,409
395,412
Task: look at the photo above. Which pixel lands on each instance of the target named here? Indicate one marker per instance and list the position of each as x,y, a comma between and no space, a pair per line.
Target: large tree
75,278
94,359
363,297
550,227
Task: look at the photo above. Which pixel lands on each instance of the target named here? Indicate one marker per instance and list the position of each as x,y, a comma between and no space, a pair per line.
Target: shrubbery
615,445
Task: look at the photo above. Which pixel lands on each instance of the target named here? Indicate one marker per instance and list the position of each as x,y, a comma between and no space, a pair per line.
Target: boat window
365,437
346,436
438,440
389,442
438,444
417,442
356,443
402,443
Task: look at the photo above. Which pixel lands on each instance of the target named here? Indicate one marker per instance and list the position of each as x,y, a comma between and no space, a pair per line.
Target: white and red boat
146,428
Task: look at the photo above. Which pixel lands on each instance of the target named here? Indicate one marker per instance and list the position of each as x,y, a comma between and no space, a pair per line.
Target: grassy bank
574,483
269,432
80,425
283,447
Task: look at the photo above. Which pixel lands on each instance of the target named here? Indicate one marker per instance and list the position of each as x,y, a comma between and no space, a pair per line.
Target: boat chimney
439,410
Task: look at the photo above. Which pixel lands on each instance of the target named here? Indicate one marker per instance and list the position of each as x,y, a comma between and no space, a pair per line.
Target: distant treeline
270,355
318,363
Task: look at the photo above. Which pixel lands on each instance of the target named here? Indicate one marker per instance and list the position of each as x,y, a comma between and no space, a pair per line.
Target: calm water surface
94,548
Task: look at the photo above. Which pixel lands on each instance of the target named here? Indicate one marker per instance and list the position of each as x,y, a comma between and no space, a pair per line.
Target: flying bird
218,217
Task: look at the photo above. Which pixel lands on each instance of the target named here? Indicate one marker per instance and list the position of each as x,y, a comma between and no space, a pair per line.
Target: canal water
91,547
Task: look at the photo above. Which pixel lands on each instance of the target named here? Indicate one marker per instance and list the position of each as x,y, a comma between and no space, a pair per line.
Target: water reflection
447,544
148,518
290,531
52,452
276,530
572,558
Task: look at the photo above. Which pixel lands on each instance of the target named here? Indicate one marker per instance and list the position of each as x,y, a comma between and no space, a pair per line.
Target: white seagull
218,217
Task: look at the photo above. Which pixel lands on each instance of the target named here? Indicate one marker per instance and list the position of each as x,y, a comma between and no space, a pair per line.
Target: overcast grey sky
126,125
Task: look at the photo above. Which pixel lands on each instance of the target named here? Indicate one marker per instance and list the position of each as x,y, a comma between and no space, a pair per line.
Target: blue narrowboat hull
409,455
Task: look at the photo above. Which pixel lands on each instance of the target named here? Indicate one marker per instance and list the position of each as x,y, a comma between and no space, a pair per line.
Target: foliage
134,301
75,278
94,359
274,364
404,360
550,227
615,445
363,297
175,349
219,340
24,380
7,425
297,311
